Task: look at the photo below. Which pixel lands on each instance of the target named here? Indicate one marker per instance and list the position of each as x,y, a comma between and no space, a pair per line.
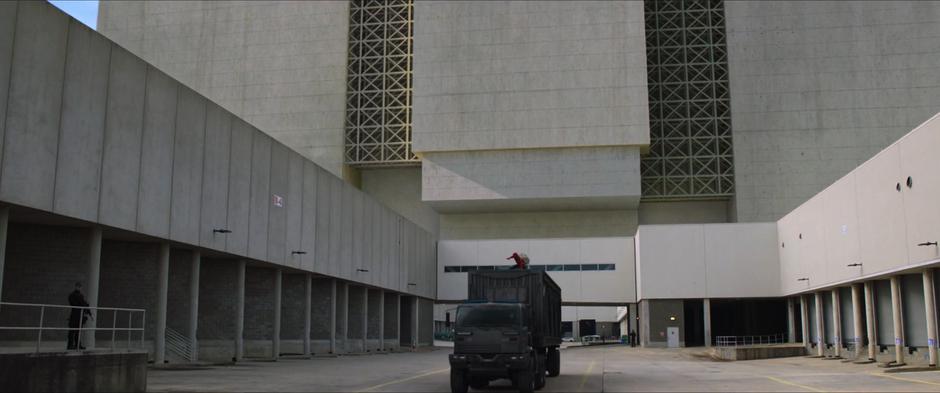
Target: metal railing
48,313
180,345
740,341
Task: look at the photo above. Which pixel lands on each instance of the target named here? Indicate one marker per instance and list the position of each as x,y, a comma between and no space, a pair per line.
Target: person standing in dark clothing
632,338
78,316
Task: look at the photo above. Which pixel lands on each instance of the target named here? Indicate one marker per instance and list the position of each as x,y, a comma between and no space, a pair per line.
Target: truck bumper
490,365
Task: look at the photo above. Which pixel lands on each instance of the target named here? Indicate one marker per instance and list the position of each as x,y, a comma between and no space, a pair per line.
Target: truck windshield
489,316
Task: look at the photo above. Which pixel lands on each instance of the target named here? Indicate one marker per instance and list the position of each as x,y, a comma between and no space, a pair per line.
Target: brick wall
292,306
42,265
375,312
391,316
178,296
320,309
259,303
356,308
218,289
129,279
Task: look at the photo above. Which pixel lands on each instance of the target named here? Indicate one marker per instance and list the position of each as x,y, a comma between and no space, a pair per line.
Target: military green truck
509,328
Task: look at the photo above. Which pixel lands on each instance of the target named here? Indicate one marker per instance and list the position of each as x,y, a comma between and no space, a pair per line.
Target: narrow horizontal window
588,267
468,268
451,269
606,266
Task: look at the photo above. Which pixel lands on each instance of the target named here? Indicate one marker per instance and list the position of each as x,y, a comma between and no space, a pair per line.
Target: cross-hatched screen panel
690,154
378,98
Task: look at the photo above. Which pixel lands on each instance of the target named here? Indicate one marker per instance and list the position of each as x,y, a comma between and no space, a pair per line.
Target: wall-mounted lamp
362,270
854,264
298,252
672,317
925,244
411,284
221,230
803,279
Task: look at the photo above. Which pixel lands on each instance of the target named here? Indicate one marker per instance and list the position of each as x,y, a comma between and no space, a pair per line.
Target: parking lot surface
592,369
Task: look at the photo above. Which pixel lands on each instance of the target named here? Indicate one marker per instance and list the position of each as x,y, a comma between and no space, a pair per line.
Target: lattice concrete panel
378,104
690,152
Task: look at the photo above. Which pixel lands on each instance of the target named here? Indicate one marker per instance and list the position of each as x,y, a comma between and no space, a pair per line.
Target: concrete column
333,316
930,302
707,312
414,326
346,318
634,318
308,295
870,321
4,221
276,340
857,319
240,312
820,326
398,319
804,320
837,322
791,321
91,287
163,278
381,320
898,322
194,305
365,319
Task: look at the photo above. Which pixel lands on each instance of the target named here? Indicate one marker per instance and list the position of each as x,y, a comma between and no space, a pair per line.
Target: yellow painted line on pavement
397,381
905,379
586,374
785,382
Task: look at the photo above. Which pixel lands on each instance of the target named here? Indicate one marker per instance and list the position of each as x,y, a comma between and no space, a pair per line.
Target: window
537,268
468,268
554,268
451,269
485,268
590,267
504,267
572,268
606,266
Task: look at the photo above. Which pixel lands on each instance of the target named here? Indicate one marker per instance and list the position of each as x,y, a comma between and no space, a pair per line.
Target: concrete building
115,175
704,166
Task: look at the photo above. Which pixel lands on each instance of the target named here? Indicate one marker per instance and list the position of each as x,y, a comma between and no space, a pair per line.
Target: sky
86,11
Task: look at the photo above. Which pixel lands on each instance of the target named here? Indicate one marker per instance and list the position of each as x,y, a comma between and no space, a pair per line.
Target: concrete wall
502,75
707,261
542,179
819,87
400,190
281,66
545,224
146,154
86,372
655,316
870,216
615,286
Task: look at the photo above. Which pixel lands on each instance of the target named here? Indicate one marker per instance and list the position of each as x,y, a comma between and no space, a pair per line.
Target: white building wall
870,216
576,286
707,261
280,65
818,87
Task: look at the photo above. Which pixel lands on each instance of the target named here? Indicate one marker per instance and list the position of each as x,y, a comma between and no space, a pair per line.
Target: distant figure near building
632,338
78,316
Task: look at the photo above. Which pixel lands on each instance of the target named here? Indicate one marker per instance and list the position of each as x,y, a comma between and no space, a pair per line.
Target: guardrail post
4,219
42,315
114,327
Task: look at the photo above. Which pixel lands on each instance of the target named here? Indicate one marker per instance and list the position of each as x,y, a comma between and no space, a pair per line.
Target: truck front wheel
554,362
525,379
458,381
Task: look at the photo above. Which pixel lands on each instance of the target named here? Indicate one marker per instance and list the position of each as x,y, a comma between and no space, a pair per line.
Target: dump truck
508,328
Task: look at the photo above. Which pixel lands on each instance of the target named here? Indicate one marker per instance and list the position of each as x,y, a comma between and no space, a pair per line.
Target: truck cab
494,341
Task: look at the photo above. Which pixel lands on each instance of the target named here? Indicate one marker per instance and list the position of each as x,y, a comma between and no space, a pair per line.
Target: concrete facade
817,88
281,67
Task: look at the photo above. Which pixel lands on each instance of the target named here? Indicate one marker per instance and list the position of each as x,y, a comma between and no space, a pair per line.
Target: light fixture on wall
298,252
672,317
411,284
803,279
854,264
362,270
925,244
221,230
